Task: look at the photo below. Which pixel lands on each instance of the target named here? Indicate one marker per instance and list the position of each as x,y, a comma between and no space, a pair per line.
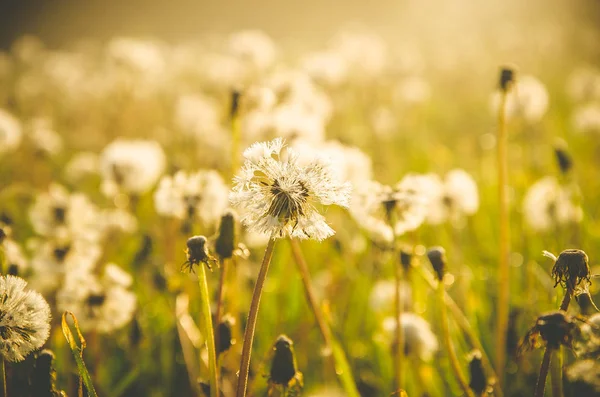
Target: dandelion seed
278,196
24,319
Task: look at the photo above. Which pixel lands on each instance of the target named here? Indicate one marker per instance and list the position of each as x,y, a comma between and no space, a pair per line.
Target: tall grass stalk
207,326
460,377
504,243
251,323
342,368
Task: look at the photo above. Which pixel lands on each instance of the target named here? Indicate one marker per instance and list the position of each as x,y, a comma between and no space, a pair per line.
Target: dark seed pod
437,257
478,381
225,244
563,157
507,77
197,252
571,269
235,103
43,379
225,334
283,366
405,260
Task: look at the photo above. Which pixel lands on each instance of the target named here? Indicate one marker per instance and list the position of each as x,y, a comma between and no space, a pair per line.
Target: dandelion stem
504,244
398,305
236,137
540,386
448,343
208,331
3,370
464,324
339,358
251,323
220,295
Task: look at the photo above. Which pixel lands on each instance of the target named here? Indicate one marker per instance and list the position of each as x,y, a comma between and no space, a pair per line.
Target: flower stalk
252,316
208,331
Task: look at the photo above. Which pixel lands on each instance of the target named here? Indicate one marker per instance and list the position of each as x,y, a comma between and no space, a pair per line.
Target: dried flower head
527,99
552,329
478,381
225,334
563,157
278,196
571,270
284,370
437,257
24,319
197,252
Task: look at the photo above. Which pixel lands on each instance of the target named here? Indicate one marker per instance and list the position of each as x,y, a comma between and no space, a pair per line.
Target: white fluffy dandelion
547,203
419,341
24,319
528,99
11,132
278,196
457,198
202,194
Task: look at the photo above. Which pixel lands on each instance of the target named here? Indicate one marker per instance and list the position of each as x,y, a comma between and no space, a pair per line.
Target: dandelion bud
283,366
478,380
563,157
2,235
13,269
197,252
437,257
43,380
571,270
225,336
235,103
225,244
405,259
507,78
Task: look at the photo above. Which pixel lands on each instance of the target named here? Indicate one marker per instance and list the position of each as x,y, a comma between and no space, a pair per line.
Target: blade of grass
78,352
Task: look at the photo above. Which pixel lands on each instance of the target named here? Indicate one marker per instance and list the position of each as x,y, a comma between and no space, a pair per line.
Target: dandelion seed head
586,118
547,204
82,165
24,319
419,341
11,132
583,85
278,196
527,99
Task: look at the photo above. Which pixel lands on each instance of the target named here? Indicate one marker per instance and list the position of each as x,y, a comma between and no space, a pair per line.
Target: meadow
386,221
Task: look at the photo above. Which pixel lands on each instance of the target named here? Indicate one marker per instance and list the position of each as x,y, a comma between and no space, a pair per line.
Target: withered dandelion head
552,329
24,319
572,270
437,257
284,370
278,196
197,253
507,77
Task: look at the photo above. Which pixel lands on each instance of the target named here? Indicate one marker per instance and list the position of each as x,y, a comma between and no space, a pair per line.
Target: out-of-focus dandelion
44,138
81,166
131,166
11,132
457,198
528,100
104,303
383,292
16,262
326,67
253,47
366,54
377,207
583,377
583,85
279,197
419,340
188,196
548,204
586,118
24,319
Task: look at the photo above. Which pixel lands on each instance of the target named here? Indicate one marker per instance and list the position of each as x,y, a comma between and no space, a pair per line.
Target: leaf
77,351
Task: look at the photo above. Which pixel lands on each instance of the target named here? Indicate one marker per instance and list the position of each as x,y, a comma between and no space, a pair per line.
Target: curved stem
540,386
208,331
504,244
251,323
448,343
342,367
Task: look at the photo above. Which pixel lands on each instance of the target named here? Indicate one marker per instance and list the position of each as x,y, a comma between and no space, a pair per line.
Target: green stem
220,296
504,244
448,343
465,325
208,331
3,370
251,323
399,302
342,367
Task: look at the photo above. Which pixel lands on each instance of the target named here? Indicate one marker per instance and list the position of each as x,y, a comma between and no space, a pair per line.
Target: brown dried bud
507,77
225,243
554,329
197,252
437,257
571,270
563,157
478,381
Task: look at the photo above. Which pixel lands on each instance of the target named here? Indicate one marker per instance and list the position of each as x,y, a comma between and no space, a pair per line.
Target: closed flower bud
437,257
563,157
507,78
43,379
225,335
225,244
235,103
478,381
284,370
